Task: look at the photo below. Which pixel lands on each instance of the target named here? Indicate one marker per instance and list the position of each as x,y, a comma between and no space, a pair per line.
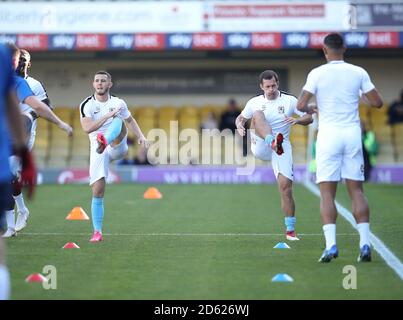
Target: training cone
36,277
71,245
282,277
77,213
281,245
152,193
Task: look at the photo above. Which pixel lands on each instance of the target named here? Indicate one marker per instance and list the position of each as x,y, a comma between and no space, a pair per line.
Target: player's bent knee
261,155
258,115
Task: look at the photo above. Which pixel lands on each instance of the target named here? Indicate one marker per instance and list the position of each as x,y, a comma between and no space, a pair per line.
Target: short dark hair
334,41
106,73
268,75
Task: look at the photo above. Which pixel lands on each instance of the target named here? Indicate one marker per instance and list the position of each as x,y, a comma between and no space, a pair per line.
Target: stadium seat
206,109
42,142
60,143
64,113
189,117
166,114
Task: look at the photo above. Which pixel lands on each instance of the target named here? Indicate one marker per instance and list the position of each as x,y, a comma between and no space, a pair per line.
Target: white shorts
99,163
32,136
339,154
280,164
30,130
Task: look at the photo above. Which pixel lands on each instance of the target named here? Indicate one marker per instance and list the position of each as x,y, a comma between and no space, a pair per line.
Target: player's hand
69,130
114,112
143,141
312,108
28,171
290,120
241,129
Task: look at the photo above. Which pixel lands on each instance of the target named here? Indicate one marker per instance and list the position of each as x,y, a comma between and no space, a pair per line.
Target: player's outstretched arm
240,124
134,127
45,112
374,98
305,120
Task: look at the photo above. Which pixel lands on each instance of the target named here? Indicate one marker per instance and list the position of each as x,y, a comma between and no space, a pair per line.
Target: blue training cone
282,277
281,245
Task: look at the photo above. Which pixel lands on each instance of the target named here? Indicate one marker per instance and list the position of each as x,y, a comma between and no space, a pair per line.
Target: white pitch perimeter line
179,234
386,254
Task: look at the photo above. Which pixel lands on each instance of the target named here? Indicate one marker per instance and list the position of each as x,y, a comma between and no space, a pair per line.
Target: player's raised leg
97,209
112,132
328,214
264,131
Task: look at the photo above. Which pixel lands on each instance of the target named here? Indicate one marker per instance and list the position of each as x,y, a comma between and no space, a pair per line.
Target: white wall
69,82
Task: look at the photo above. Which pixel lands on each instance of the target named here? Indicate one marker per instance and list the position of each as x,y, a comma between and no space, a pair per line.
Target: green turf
144,259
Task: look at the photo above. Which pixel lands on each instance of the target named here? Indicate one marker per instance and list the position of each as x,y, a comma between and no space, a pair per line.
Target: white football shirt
337,86
274,110
38,90
95,110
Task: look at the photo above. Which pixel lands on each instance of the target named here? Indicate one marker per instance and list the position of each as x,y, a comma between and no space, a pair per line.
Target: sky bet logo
121,41
238,41
356,39
7,38
180,41
62,42
296,40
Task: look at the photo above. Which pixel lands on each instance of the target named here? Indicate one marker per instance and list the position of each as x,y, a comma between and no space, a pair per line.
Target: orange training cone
77,214
36,277
71,245
152,193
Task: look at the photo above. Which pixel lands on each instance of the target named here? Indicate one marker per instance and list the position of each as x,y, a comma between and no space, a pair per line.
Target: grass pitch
199,242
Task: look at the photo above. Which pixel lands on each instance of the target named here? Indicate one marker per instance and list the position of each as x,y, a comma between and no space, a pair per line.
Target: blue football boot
365,254
330,254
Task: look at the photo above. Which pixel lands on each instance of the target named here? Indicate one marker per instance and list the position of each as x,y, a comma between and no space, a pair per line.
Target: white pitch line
386,254
179,234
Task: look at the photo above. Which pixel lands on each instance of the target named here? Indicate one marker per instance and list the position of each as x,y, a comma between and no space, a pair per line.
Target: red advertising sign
91,42
266,40
210,41
269,11
33,41
149,41
383,40
316,39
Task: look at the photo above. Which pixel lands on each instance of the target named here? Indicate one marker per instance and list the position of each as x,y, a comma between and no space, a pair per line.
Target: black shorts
5,193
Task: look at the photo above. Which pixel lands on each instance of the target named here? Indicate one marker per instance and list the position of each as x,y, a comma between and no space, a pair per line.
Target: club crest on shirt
281,109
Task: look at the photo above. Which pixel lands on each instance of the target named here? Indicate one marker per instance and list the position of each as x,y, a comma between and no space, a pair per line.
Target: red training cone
36,277
71,245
